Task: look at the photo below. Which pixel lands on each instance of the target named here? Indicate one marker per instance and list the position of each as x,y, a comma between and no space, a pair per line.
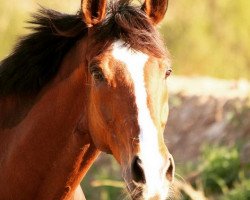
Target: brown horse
81,84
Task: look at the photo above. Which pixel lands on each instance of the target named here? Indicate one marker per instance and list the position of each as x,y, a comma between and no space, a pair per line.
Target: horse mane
37,57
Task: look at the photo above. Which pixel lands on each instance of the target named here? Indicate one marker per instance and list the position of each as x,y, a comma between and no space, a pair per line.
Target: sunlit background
209,125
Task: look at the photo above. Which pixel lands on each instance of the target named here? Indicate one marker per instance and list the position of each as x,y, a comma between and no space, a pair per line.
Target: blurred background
208,131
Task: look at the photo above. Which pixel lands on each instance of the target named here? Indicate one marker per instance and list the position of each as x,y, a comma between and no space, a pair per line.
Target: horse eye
168,72
97,74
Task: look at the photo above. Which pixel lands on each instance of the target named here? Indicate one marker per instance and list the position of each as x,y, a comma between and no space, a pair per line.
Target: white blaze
148,138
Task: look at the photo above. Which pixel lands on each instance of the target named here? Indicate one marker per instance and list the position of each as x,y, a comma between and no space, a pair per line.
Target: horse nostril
170,170
137,171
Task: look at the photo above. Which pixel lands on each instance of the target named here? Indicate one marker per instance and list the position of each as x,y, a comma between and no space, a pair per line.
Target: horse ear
155,9
93,11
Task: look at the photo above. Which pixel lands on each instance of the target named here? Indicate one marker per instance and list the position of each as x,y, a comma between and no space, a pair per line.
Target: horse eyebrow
94,63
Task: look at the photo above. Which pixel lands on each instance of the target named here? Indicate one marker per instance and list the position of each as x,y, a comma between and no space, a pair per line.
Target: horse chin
135,191
139,192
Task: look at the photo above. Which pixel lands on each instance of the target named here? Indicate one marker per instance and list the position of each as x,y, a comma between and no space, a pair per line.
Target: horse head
128,103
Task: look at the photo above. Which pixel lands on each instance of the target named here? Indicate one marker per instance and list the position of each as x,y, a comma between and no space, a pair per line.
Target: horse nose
137,171
170,169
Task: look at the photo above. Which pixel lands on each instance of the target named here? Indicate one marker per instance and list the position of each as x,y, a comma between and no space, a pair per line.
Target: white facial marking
149,147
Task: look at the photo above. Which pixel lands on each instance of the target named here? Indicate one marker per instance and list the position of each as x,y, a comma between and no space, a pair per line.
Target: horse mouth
138,193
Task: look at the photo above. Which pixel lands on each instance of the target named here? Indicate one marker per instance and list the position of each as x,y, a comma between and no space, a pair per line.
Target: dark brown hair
37,57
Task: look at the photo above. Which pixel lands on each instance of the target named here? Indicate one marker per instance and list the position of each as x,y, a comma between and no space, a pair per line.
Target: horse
82,84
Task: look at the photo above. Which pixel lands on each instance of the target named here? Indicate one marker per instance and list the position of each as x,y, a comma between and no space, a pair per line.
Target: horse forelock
128,23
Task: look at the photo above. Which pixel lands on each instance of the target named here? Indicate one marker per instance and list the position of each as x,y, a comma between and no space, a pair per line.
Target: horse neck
50,147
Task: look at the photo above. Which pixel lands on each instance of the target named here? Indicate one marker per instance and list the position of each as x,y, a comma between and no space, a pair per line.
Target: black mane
37,57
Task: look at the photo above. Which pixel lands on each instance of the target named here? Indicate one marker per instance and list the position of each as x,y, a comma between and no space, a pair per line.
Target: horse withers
81,84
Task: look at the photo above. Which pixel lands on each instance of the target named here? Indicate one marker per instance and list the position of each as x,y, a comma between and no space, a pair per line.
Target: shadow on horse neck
81,84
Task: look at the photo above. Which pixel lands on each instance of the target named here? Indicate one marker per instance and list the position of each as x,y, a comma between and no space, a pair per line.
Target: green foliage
209,37
220,169
105,168
241,191
222,176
